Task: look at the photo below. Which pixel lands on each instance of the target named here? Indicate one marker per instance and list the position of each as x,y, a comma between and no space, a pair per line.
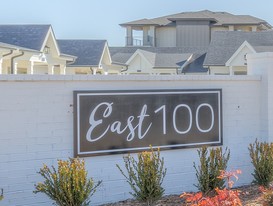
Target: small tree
211,165
145,176
69,185
262,159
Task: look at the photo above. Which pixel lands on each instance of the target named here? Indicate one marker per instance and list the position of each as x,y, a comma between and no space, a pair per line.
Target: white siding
219,70
40,69
139,65
240,60
224,70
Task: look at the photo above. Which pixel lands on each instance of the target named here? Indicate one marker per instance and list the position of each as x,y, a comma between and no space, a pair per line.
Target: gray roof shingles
27,36
225,43
88,52
141,22
164,56
171,60
122,54
218,18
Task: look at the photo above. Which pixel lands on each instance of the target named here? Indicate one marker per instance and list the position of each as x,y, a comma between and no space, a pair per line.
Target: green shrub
69,185
212,162
145,176
262,159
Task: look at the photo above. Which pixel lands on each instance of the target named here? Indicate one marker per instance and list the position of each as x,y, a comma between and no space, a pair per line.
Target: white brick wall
36,127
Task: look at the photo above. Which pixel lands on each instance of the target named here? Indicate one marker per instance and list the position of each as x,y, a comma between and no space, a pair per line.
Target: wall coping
33,78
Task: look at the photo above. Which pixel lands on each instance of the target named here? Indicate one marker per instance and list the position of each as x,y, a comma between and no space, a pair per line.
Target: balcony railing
139,41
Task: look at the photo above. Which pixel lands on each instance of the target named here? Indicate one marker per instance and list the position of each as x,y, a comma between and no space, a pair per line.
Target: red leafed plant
224,197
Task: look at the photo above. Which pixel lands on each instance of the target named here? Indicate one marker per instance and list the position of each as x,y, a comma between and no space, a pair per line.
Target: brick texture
36,127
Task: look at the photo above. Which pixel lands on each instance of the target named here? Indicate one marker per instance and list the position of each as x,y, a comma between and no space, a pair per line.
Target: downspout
7,54
124,70
12,60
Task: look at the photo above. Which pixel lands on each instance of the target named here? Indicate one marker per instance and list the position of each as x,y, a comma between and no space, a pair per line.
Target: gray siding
166,37
192,33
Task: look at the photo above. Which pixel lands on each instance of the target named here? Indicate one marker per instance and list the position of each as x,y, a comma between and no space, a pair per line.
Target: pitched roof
218,18
171,60
164,60
225,43
195,65
26,36
12,47
88,52
122,54
150,56
140,22
163,57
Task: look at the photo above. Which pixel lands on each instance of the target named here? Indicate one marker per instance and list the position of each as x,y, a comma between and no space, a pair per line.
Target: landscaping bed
250,196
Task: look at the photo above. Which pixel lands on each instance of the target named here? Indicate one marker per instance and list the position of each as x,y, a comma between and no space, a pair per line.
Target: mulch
250,195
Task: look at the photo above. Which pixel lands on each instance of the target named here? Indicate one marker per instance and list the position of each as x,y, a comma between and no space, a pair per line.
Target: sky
100,19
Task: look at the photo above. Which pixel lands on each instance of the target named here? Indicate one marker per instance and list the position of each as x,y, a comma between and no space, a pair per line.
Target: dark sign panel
108,122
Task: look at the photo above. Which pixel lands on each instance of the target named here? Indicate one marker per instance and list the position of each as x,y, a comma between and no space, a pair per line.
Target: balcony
139,41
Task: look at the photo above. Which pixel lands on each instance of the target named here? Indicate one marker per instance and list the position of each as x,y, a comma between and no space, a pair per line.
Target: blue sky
100,19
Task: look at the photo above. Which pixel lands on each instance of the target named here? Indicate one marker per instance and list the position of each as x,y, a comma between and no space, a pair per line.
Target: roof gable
50,41
88,52
149,57
106,57
239,50
225,43
161,59
27,36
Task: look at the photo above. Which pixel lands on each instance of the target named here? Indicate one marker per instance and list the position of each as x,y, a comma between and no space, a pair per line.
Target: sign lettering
123,121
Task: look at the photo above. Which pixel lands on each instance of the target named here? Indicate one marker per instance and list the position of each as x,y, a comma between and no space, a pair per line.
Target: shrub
69,185
224,197
262,159
210,168
145,176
